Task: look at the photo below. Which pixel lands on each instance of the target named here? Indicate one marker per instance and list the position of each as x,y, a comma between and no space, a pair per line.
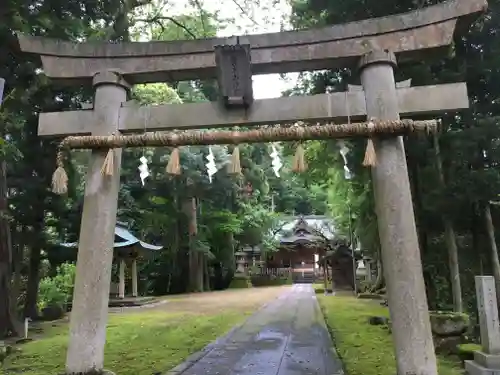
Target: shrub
57,290
239,282
271,280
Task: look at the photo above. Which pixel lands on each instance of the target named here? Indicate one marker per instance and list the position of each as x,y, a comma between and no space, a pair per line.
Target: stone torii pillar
396,222
95,248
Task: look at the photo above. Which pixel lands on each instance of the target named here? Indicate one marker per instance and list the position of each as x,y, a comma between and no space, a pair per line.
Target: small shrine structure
127,249
305,242
302,240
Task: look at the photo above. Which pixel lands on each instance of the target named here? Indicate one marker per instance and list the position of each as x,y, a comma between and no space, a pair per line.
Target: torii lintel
407,35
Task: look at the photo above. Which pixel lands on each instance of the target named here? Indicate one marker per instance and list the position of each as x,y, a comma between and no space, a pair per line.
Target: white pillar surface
411,329
121,285
488,314
134,278
89,316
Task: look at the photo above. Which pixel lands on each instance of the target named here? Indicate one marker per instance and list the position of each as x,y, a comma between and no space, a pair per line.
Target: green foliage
155,93
57,290
258,225
271,280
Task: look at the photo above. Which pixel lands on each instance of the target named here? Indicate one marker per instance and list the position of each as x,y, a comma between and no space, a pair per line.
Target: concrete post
134,278
396,222
95,247
121,284
487,360
488,314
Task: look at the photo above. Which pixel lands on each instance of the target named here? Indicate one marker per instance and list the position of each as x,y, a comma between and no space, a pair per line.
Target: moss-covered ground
148,340
366,349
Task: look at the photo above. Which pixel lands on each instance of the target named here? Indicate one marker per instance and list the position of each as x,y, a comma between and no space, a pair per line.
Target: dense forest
453,176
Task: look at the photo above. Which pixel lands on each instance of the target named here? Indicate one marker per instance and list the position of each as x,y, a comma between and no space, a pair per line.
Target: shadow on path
288,336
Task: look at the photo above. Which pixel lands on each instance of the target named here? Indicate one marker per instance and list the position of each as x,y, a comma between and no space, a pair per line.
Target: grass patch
137,344
147,341
366,349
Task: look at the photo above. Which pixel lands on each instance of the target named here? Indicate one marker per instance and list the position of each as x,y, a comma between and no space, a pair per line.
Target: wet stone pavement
286,337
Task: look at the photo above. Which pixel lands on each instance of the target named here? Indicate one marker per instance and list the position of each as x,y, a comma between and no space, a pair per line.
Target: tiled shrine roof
123,238
305,229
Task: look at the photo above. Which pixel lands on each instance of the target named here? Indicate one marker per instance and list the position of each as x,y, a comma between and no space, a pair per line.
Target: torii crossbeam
407,35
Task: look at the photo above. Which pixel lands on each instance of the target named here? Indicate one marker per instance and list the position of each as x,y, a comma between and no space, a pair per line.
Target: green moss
366,349
239,282
449,315
466,351
468,348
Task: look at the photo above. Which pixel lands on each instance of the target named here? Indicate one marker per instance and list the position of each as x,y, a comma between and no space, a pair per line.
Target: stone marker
486,361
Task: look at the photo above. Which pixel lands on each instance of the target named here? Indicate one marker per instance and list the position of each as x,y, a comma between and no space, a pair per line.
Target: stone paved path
286,337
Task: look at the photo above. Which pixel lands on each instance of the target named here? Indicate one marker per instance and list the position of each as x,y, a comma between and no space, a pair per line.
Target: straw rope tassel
108,166
370,159
235,166
174,164
299,159
60,177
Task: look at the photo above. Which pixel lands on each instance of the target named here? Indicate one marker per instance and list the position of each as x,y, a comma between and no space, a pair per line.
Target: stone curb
196,357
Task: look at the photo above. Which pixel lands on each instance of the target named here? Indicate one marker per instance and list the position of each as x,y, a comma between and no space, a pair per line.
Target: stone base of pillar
476,368
491,361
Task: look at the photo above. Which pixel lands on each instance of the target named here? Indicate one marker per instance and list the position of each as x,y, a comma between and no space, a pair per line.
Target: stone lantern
361,269
240,261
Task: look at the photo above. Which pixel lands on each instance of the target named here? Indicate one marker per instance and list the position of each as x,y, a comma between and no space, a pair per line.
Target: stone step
474,368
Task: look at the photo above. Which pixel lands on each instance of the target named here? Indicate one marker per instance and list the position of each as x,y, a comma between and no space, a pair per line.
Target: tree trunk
206,275
490,230
379,282
478,238
17,260
325,274
8,326
201,273
449,235
414,174
451,243
195,257
30,306
232,260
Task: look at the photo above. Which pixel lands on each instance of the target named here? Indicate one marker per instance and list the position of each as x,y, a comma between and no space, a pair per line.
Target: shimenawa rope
204,138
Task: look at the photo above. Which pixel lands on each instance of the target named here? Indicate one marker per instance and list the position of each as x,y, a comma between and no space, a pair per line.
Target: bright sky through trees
248,17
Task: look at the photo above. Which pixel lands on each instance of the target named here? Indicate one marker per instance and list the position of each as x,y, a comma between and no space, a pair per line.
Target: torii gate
373,44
